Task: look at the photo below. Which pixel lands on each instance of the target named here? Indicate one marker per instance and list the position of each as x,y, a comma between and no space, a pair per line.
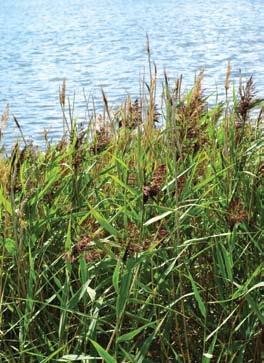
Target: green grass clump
138,243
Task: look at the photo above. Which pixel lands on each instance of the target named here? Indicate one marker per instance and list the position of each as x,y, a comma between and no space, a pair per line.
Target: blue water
101,43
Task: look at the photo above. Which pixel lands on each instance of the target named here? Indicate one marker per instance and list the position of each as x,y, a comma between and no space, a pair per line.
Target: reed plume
4,120
227,79
247,100
62,93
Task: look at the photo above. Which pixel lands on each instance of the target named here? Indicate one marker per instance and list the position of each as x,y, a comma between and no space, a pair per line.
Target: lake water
101,43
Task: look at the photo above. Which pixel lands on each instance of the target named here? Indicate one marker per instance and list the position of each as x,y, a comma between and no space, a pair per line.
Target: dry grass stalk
4,120
227,79
62,93
5,117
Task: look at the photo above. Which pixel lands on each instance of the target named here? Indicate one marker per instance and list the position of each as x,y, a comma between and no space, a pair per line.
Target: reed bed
140,239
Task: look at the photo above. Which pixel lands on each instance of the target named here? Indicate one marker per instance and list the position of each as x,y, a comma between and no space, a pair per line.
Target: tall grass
138,243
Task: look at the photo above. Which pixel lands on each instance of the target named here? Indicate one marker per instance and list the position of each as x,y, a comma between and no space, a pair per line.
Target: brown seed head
227,79
63,93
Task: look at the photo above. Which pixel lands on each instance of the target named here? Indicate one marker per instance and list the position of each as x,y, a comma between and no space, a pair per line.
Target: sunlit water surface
101,43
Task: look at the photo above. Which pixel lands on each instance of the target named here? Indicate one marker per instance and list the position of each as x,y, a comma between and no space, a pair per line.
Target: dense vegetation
139,241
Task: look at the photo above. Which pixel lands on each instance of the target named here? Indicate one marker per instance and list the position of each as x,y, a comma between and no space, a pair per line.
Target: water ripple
101,43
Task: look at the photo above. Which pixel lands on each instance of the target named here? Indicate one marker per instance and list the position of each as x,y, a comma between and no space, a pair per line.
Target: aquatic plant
138,242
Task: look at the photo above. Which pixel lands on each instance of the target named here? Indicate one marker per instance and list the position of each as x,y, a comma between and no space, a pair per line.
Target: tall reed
135,242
